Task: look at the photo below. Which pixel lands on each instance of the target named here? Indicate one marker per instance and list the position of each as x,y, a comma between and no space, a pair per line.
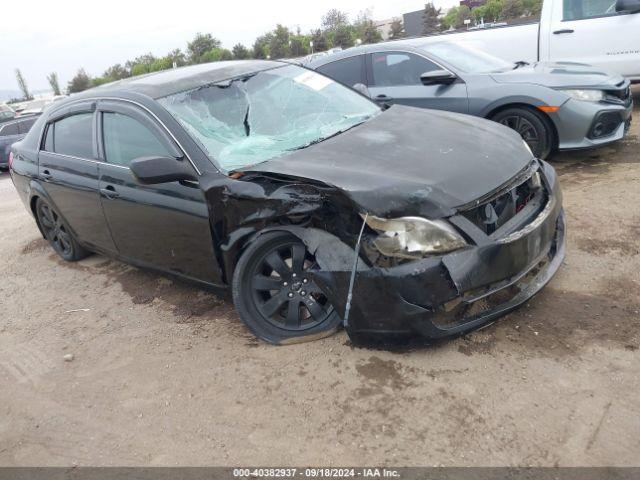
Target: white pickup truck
602,33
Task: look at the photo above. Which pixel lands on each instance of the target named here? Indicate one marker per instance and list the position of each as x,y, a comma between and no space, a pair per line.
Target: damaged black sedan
317,208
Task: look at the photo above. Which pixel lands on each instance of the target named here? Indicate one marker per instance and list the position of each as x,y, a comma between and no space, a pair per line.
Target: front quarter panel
486,96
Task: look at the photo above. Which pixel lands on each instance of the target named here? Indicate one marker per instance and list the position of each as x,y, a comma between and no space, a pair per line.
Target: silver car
554,106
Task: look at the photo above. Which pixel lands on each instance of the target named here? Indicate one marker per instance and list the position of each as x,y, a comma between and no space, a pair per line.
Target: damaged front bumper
445,296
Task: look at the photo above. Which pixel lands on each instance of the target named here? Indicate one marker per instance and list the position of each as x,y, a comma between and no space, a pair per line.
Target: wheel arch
37,192
314,238
533,108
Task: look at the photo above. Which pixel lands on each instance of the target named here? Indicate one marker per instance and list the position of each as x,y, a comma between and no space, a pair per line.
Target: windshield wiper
334,134
520,63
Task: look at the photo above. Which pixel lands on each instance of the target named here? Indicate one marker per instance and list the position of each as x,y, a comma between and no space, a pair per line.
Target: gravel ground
104,364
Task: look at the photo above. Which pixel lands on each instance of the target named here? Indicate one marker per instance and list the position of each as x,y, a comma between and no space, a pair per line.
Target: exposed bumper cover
462,291
576,122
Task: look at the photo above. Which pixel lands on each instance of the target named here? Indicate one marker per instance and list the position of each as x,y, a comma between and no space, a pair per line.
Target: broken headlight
414,237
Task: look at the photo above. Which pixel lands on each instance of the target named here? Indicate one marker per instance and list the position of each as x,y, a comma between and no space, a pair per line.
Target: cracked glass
257,117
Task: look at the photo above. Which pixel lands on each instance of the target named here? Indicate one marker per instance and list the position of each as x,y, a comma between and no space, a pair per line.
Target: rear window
347,71
73,135
26,125
8,130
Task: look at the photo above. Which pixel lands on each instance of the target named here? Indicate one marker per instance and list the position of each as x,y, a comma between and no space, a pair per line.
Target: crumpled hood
561,75
410,161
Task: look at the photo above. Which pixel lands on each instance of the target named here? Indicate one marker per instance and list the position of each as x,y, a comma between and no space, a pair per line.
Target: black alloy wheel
57,233
532,126
275,295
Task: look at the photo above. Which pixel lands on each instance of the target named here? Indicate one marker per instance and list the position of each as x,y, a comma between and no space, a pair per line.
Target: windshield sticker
313,80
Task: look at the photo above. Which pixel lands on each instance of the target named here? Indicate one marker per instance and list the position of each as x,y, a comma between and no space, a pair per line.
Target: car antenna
352,280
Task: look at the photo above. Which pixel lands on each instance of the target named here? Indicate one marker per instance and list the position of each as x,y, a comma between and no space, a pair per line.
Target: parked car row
10,133
316,206
6,113
551,105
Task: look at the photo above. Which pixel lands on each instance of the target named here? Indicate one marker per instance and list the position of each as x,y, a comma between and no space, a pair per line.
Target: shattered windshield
260,116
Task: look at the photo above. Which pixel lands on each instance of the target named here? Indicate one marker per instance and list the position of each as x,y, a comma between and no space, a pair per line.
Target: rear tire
533,127
274,295
58,234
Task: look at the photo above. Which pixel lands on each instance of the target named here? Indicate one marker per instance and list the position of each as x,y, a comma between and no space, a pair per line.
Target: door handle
566,30
46,175
109,192
383,97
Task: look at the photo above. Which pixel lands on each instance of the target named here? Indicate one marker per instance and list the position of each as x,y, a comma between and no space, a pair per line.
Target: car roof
167,82
403,44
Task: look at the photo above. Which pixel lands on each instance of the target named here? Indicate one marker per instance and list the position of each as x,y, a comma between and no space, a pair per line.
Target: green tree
365,29
52,78
261,46
512,9
397,29
493,10
22,84
177,57
240,52
279,43
449,20
479,14
430,19
216,55
115,72
163,63
369,33
299,45
333,19
140,64
343,36
464,13
532,8
201,45
320,41
79,82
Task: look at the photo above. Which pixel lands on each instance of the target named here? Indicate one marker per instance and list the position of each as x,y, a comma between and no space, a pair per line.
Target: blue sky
44,36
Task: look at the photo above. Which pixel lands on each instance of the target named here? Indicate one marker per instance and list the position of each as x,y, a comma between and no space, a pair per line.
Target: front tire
534,128
274,294
57,233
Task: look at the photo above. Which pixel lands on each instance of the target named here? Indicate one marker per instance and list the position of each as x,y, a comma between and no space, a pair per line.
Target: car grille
620,96
495,212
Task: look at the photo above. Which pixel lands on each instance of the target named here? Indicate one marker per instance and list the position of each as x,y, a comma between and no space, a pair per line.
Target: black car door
164,226
68,171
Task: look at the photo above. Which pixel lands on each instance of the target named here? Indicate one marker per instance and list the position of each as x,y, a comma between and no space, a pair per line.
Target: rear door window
126,139
26,125
348,71
74,136
391,69
9,130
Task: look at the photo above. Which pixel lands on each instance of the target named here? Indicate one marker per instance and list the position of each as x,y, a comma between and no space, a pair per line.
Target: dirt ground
165,374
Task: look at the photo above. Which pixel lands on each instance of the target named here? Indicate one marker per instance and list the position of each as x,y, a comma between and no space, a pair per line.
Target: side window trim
369,64
114,106
363,69
50,125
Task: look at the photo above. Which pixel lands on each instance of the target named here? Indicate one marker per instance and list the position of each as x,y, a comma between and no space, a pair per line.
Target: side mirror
362,88
438,77
152,170
628,6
